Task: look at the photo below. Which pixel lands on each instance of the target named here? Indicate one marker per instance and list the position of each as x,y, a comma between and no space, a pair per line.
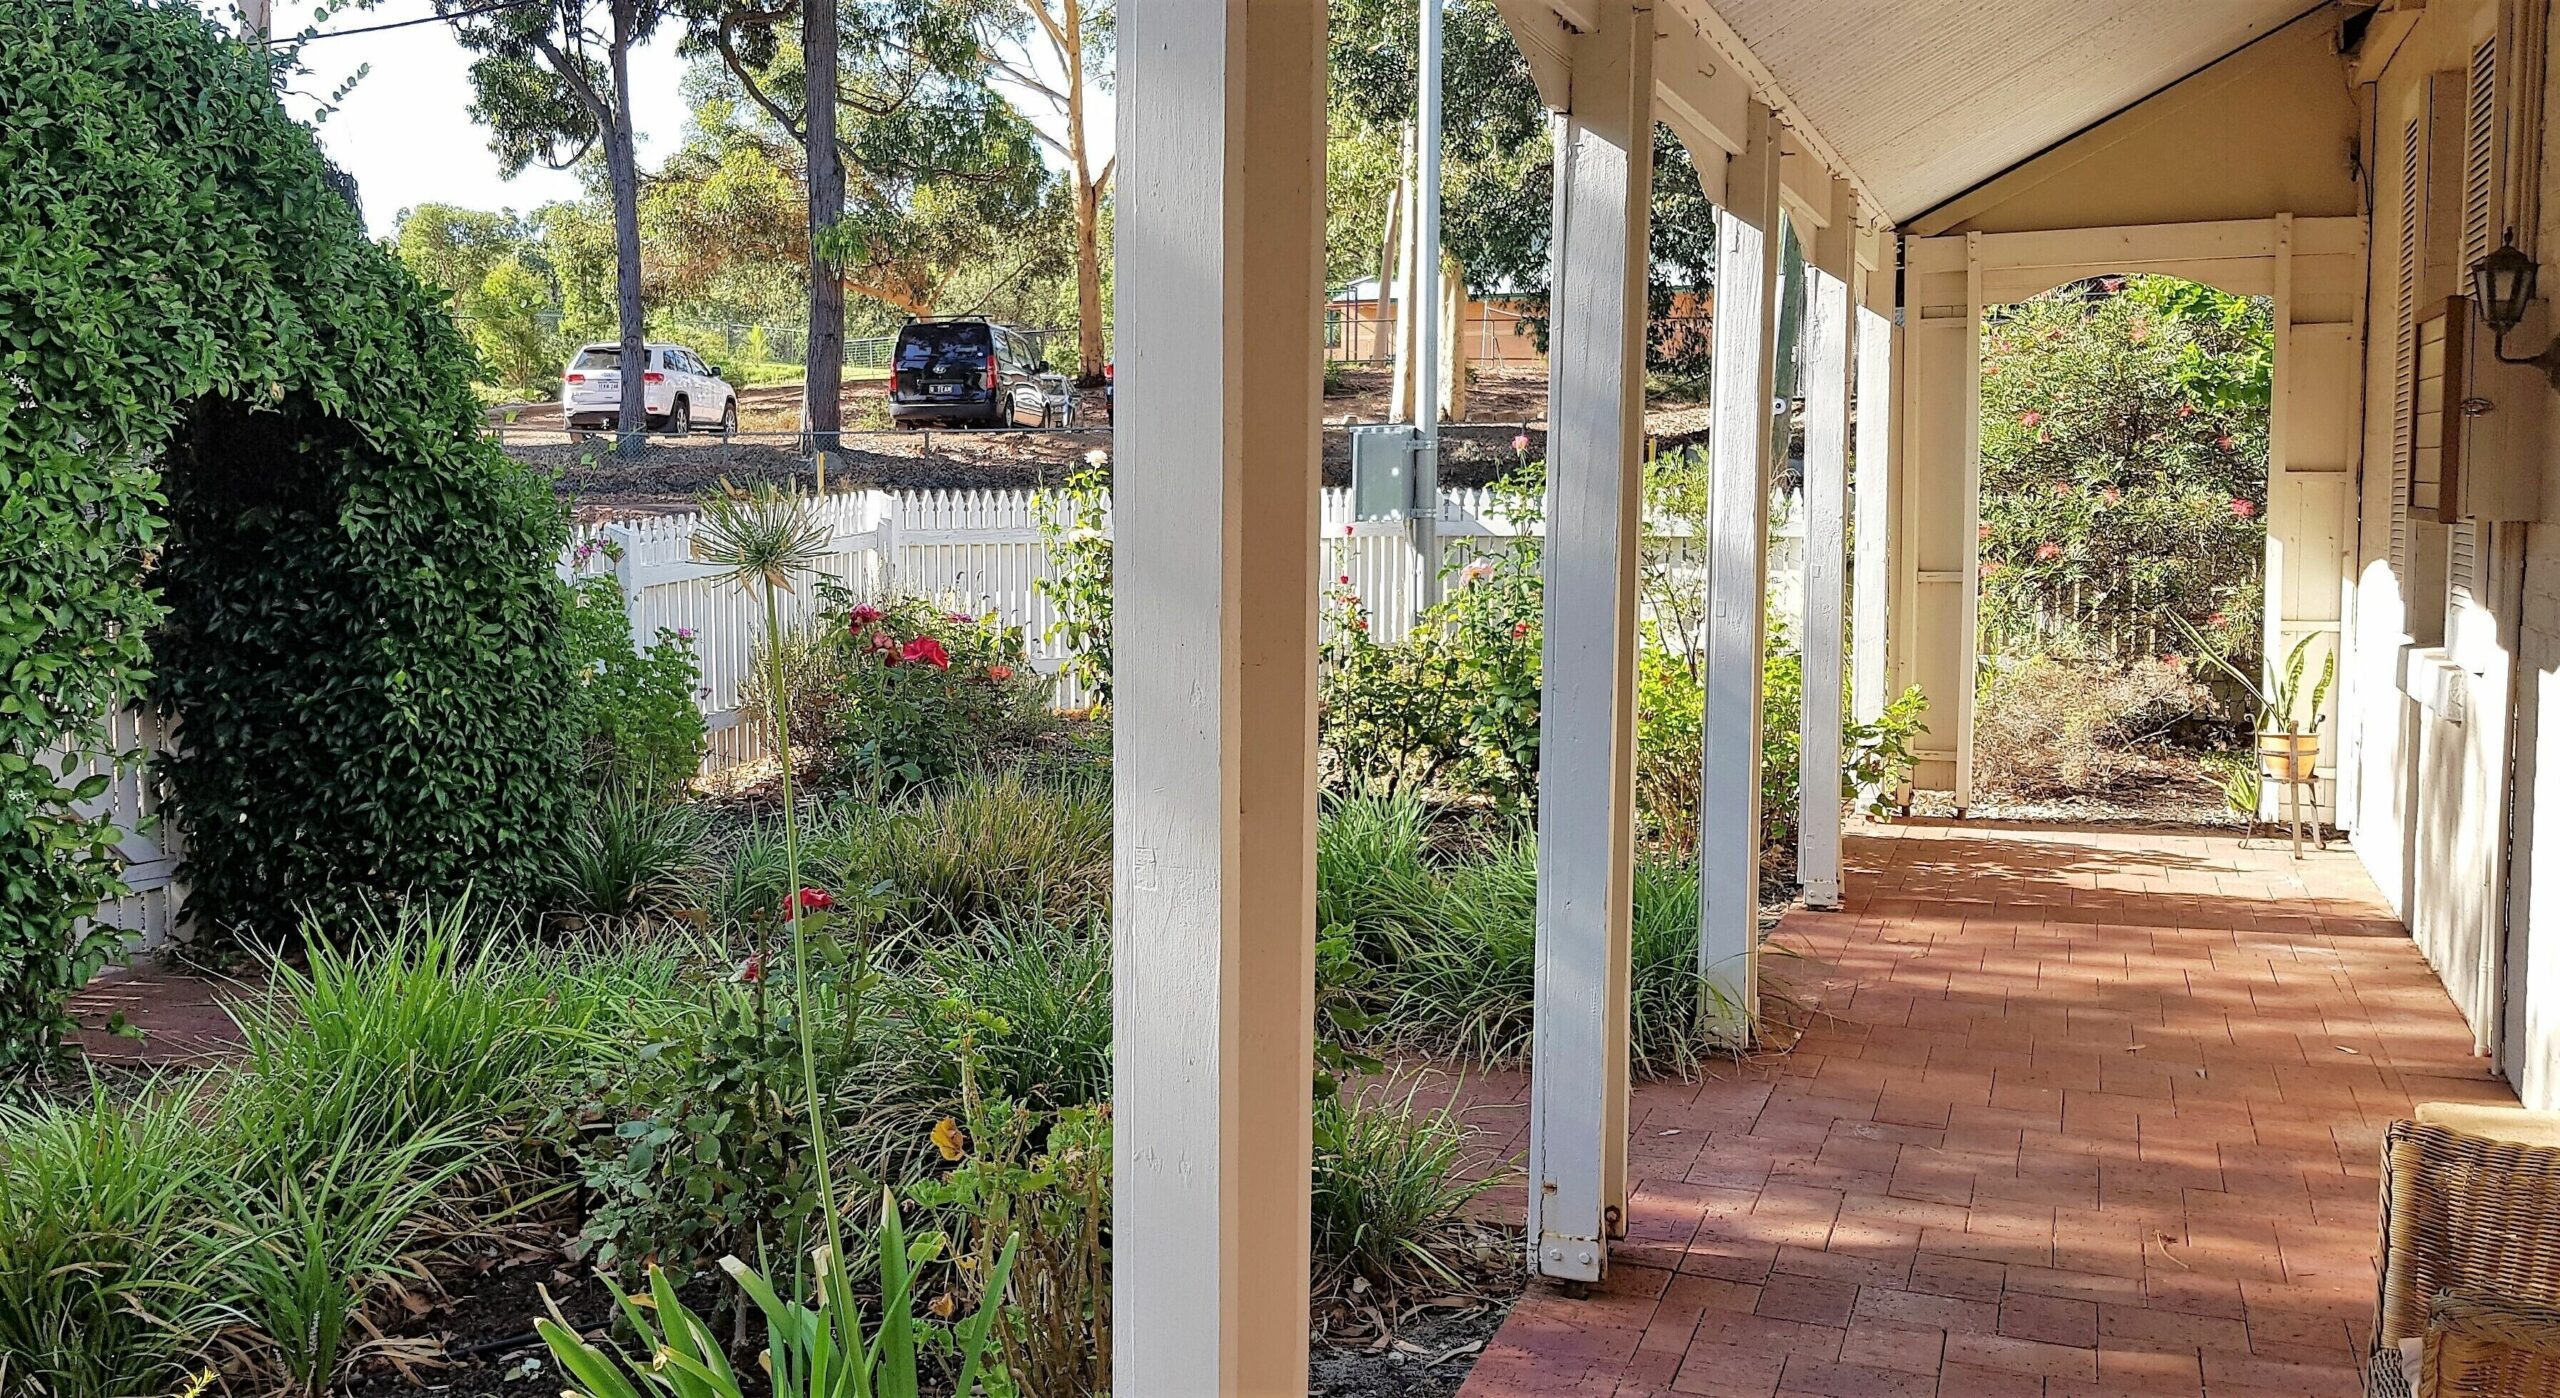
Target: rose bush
901,693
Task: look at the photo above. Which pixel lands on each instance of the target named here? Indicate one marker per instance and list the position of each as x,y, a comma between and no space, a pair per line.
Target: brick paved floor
2073,1113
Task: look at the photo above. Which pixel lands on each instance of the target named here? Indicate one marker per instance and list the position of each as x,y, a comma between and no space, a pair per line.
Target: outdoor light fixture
2502,283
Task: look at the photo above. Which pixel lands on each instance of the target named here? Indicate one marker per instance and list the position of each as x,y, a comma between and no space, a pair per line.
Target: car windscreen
598,357
939,349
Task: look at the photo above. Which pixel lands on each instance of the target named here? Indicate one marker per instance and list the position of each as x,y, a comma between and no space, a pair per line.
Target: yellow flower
947,1138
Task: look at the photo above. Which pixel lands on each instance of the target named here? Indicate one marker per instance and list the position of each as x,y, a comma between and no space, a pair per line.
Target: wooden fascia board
1703,21
1542,36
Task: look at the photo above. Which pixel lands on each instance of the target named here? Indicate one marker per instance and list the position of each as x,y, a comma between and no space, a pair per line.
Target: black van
967,369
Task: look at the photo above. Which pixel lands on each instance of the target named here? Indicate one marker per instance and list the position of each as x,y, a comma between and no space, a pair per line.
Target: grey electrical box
1382,462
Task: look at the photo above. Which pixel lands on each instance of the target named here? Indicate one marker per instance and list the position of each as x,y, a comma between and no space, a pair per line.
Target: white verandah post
1586,800
1871,580
1220,314
1828,348
1744,376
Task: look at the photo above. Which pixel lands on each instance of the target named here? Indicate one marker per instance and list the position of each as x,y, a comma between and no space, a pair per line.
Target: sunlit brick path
2074,1113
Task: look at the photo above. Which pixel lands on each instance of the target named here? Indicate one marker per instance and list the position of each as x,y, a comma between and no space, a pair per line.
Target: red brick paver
2074,1113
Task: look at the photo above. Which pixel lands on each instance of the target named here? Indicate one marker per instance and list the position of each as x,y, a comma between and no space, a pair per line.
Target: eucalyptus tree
1498,162
552,82
1077,38
912,138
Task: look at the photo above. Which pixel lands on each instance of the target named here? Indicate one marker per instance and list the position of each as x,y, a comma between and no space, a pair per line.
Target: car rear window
931,349
598,357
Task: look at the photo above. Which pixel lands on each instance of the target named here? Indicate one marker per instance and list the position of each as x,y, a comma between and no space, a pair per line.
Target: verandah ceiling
1924,99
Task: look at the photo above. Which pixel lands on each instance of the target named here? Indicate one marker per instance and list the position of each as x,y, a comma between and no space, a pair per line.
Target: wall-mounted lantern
2502,285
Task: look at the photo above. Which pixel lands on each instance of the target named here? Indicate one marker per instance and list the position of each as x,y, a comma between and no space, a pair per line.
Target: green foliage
979,848
1452,707
1039,1184
1446,939
1388,1195
1078,538
813,1351
360,636
2124,463
101,1292
1497,167
699,1145
244,1215
903,693
2282,706
631,710
629,853
510,317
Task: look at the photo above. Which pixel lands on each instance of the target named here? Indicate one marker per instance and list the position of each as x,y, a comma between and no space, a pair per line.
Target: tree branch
796,129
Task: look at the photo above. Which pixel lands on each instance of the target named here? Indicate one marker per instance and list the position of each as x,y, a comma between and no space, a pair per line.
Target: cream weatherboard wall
2433,726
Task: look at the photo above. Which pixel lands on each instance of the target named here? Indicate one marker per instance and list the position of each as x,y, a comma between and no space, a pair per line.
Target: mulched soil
1428,1357
477,1338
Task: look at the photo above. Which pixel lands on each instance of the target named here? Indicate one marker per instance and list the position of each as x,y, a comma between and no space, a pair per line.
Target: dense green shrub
361,639
1451,706
630,708
903,693
2124,464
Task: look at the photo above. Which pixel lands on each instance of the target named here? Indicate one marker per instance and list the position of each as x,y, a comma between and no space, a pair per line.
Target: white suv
683,391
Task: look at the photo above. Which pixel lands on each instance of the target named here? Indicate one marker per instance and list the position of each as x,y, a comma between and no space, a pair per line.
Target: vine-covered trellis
240,478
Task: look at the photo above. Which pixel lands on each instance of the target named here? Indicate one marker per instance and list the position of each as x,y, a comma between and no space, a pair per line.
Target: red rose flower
751,970
2243,509
999,672
864,616
928,650
808,900
2186,410
1519,630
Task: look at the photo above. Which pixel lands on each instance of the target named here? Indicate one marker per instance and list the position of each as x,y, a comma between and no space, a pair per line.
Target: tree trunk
1089,353
822,400
622,167
1453,340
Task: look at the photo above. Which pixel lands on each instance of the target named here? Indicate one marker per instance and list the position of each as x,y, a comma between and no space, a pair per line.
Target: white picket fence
968,551
978,552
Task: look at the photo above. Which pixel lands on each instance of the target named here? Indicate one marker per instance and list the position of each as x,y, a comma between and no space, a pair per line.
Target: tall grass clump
427,1023
1447,942
982,847
631,852
105,1289
1390,1190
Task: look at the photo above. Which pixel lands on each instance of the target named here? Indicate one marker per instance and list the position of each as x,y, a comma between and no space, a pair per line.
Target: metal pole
1425,281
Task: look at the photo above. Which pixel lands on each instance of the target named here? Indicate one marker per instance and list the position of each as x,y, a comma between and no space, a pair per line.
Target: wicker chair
2470,1254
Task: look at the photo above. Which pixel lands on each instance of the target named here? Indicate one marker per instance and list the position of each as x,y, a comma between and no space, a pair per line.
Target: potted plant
2288,727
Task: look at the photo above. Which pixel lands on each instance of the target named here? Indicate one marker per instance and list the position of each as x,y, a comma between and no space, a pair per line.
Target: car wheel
729,416
680,419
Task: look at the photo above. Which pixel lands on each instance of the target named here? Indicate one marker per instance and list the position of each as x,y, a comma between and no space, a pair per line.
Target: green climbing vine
241,478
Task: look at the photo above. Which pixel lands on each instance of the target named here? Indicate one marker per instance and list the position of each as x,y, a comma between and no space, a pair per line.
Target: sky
405,133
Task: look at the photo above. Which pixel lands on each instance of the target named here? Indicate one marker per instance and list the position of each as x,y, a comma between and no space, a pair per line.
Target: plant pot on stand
2293,759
